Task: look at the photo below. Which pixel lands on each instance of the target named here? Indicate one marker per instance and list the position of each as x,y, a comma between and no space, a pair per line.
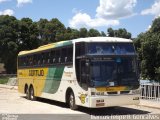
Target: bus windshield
116,72
110,48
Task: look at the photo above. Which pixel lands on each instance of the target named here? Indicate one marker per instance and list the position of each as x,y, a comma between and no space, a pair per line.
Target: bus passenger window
64,54
57,56
47,58
52,56
42,59
80,49
30,60
35,60
59,60
65,59
70,54
39,59
27,61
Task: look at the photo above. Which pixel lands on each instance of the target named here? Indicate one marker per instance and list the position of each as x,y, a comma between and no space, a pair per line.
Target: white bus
93,72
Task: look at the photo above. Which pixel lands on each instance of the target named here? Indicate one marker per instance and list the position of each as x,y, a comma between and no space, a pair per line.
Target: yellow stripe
37,79
110,89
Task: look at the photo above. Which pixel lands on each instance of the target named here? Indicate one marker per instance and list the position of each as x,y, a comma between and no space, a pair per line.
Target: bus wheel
32,96
26,91
27,94
72,104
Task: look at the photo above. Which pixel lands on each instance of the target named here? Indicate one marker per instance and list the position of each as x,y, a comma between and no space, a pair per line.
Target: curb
150,104
9,87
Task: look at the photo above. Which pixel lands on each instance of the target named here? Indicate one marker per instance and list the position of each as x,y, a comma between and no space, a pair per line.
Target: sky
135,16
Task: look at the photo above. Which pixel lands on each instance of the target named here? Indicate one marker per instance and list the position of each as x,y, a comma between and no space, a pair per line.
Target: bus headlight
137,91
93,93
97,93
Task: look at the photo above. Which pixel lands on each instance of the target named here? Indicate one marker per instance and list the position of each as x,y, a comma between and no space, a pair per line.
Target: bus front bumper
113,100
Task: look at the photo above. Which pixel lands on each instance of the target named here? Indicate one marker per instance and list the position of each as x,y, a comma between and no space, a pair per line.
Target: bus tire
27,92
32,95
71,101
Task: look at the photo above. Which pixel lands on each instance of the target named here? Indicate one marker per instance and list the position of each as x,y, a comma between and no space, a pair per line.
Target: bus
93,72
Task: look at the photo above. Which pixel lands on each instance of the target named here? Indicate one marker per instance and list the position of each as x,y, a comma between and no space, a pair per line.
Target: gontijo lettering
36,72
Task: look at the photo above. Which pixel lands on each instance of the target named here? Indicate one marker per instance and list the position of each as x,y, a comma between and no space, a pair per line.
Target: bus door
84,74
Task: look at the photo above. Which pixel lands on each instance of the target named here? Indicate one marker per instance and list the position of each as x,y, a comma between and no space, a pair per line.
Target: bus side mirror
87,67
87,64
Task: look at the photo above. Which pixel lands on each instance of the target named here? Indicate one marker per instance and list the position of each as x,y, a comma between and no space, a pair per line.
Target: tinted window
80,49
110,48
70,54
55,56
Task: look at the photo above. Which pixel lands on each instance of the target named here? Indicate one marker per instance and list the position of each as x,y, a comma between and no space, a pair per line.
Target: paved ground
12,102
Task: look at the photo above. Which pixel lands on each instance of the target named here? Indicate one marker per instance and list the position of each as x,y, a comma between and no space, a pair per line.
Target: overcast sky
134,15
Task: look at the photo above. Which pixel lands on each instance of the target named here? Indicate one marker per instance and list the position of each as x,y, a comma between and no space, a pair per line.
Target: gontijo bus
91,72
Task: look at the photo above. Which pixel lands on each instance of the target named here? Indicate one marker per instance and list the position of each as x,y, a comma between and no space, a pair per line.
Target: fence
150,91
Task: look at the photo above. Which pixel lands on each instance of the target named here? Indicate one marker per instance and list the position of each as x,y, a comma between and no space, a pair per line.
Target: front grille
124,92
111,93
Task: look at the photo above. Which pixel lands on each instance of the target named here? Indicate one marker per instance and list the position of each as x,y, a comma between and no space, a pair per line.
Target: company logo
82,98
36,72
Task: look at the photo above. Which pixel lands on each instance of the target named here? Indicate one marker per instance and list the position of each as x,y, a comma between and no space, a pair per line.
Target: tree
9,42
103,34
74,34
155,25
110,32
28,34
83,33
122,33
51,31
71,34
42,31
93,33
148,47
57,29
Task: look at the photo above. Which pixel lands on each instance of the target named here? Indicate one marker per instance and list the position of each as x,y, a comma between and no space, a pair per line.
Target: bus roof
101,39
69,42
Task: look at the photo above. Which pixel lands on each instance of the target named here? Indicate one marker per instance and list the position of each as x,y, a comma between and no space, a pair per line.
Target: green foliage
148,47
93,33
8,41
103,34
28,34
83,32
3,80
122,33
71,34
155,25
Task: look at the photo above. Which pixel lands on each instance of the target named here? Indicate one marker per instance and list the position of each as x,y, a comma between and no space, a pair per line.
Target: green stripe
53,79
64,43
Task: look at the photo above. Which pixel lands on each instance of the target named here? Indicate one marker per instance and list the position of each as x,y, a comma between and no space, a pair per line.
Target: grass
3,79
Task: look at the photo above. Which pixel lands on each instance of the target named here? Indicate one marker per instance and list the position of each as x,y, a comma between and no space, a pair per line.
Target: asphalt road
13,103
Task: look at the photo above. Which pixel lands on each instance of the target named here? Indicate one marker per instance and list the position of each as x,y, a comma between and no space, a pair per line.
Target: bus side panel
53,79
22,80
53,82
68,80
33,76
56,87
